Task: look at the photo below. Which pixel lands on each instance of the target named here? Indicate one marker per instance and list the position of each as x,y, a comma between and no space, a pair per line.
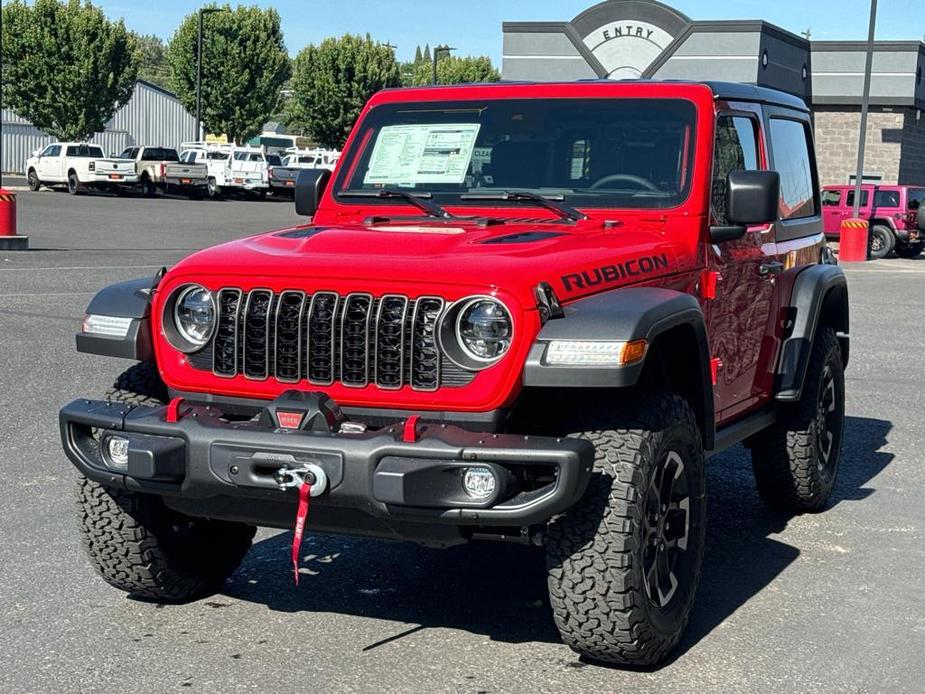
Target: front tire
796,460
139,545
33,180
882,241
625,561
910,250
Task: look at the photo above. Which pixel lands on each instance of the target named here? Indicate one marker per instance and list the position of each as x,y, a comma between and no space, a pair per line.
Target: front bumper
379,483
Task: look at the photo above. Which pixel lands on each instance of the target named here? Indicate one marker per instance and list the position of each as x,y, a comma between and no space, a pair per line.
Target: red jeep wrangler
891,211
521,312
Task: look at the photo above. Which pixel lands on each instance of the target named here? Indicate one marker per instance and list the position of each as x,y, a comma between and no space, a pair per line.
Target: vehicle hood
575,259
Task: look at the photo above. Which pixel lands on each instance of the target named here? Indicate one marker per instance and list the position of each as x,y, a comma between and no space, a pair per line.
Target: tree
244,66
65,67
154,66
333,80
456,70
418,56
426,57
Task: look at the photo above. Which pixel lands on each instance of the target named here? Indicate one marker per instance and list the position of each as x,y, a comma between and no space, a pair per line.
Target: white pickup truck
232,168
80,166
311,158
160,169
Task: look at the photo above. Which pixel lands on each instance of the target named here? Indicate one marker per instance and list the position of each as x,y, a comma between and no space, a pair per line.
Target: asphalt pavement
830,602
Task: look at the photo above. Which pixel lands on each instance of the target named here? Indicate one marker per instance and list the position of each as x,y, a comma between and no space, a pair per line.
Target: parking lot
828,602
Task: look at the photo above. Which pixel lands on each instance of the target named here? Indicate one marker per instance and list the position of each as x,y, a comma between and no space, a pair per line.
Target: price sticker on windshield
426,153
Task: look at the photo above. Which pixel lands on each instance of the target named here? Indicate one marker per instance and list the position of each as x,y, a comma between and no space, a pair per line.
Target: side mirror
310,185
752,197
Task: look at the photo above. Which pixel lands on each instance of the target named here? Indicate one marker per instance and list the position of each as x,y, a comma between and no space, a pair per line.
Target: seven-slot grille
323,338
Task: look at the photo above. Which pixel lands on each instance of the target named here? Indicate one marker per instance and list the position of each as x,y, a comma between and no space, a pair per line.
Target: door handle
771,268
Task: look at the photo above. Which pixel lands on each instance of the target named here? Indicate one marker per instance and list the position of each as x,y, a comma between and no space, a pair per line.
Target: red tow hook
173,411
410,431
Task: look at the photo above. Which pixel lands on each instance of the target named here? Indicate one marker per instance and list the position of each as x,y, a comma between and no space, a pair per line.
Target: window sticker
407,155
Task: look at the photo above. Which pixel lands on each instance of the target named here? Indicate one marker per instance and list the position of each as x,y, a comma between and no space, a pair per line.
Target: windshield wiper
431,208
547,201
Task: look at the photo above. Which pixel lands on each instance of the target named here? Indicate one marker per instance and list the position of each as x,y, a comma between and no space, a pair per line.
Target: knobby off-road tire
796,460
140,546
625,561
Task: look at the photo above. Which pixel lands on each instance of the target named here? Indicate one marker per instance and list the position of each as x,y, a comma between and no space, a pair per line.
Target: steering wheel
643,183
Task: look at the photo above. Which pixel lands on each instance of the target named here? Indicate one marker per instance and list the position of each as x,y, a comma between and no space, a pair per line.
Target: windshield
628,153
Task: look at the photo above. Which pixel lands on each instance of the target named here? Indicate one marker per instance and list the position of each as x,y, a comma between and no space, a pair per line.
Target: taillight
163,169
92,166
269,173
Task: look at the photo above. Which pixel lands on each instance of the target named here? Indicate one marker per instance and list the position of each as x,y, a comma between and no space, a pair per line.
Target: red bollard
852,246
9,239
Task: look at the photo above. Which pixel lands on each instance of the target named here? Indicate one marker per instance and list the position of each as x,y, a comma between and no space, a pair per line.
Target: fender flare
817,289
624,315
129,299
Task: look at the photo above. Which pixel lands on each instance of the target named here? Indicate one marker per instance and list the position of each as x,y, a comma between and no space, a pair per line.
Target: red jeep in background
521,312
890,210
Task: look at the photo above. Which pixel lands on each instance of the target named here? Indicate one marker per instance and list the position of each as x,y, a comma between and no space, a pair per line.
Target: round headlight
484,329
194,315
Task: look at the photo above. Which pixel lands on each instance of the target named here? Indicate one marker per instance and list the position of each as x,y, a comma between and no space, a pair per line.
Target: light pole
202,11
437,51
865,105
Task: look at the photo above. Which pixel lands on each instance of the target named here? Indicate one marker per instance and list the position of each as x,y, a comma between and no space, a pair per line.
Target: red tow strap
305,493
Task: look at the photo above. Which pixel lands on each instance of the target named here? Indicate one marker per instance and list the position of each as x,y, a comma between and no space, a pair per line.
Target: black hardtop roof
730,91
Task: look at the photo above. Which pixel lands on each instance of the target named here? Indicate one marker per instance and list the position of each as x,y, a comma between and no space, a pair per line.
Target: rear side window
916,198
791,148
736,150
84,151
831,198
886,198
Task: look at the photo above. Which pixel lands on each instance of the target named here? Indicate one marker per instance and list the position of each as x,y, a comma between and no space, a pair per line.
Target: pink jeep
891,211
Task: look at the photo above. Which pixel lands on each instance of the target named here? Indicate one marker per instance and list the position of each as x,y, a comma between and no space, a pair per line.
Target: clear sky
474,26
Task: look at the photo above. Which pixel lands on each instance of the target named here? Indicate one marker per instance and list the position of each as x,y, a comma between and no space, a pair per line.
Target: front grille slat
324,338
425,356
288,344
225,342
321,331
390,342
256,343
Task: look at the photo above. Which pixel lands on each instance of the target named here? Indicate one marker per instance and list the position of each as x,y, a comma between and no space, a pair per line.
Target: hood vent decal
303,233
525,237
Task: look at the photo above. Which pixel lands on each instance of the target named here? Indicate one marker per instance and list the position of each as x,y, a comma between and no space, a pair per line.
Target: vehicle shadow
499,590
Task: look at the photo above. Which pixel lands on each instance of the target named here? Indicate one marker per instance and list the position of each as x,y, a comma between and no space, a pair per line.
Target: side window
831,198
886,198
47,152
849,199
916,198
790,145
736,150
71,151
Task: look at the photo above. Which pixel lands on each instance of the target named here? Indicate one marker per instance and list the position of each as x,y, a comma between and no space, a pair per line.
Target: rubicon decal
612,273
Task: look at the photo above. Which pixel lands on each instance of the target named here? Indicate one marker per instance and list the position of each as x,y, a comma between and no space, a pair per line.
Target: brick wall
895,144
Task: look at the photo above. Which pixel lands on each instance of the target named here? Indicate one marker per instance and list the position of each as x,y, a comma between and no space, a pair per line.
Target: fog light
118,452
479,482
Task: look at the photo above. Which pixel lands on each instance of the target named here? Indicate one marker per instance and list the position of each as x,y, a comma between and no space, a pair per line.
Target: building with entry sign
646,39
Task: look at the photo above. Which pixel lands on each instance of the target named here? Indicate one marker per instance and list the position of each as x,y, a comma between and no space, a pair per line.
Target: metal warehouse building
153,116
633,39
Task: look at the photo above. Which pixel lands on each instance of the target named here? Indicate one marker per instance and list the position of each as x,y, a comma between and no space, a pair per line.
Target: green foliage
244,65
332,81
456,70
154,67
65,67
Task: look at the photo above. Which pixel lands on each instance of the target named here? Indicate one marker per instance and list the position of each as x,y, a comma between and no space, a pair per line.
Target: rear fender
819,297
671,322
